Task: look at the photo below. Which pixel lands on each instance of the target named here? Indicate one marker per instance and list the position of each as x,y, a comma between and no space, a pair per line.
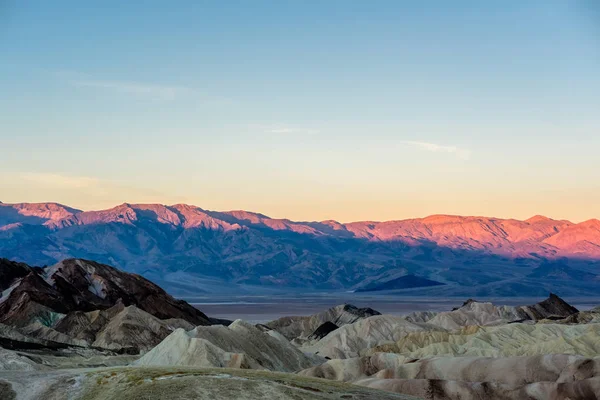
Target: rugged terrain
240,345
478,351
187,250
304,327
88,305
119,336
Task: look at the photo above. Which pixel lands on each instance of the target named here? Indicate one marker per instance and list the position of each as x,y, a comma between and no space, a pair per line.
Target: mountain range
189,250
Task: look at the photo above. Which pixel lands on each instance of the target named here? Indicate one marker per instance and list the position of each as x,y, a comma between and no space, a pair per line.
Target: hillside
190,250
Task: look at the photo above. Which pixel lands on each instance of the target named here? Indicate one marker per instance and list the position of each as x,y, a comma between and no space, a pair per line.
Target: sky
308,110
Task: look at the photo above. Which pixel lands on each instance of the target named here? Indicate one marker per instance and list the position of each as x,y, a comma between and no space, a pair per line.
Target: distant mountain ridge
249,248
540,234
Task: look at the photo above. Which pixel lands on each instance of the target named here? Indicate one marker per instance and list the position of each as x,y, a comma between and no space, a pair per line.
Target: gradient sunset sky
310,110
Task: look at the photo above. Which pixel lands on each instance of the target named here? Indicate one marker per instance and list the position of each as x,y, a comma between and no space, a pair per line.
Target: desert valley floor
261,309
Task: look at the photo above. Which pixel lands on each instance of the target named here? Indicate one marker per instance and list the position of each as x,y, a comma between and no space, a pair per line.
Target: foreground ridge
546,350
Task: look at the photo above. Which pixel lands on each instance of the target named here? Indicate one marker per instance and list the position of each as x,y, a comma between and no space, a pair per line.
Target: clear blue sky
304,109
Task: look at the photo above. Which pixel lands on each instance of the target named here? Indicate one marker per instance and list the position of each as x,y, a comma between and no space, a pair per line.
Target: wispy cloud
56,180
291,130
91,188
461,153
158,92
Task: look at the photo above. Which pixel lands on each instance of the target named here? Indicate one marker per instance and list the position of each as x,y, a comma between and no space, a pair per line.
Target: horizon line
81,210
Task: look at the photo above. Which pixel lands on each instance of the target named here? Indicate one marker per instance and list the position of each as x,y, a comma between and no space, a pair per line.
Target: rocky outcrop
33,337
32,299
499,341
356,368
11,361
351,340
477,313
97,286
136,330
241,345
302,327
121,329
478,329
86,304
46,295
182,349
552,308
471,313
514,371
10,272
540,377
325,329
582,317
476,351
435,389
46,334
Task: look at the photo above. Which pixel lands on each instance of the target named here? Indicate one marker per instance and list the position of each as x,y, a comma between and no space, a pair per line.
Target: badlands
83,330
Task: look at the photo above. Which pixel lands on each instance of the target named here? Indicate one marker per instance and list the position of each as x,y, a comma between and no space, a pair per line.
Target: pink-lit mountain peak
537,219
46,211
255,218
335,225
588,231
591,224
538,234
179,215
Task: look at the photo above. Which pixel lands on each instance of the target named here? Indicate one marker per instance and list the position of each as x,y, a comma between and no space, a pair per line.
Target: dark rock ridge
82,285
552,308
323,330
84,304
10,271
301,327
364,312
466,303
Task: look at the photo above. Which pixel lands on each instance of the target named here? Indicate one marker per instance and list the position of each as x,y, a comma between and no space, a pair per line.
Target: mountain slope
45,295
84,304
240,345
189,249
582,239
